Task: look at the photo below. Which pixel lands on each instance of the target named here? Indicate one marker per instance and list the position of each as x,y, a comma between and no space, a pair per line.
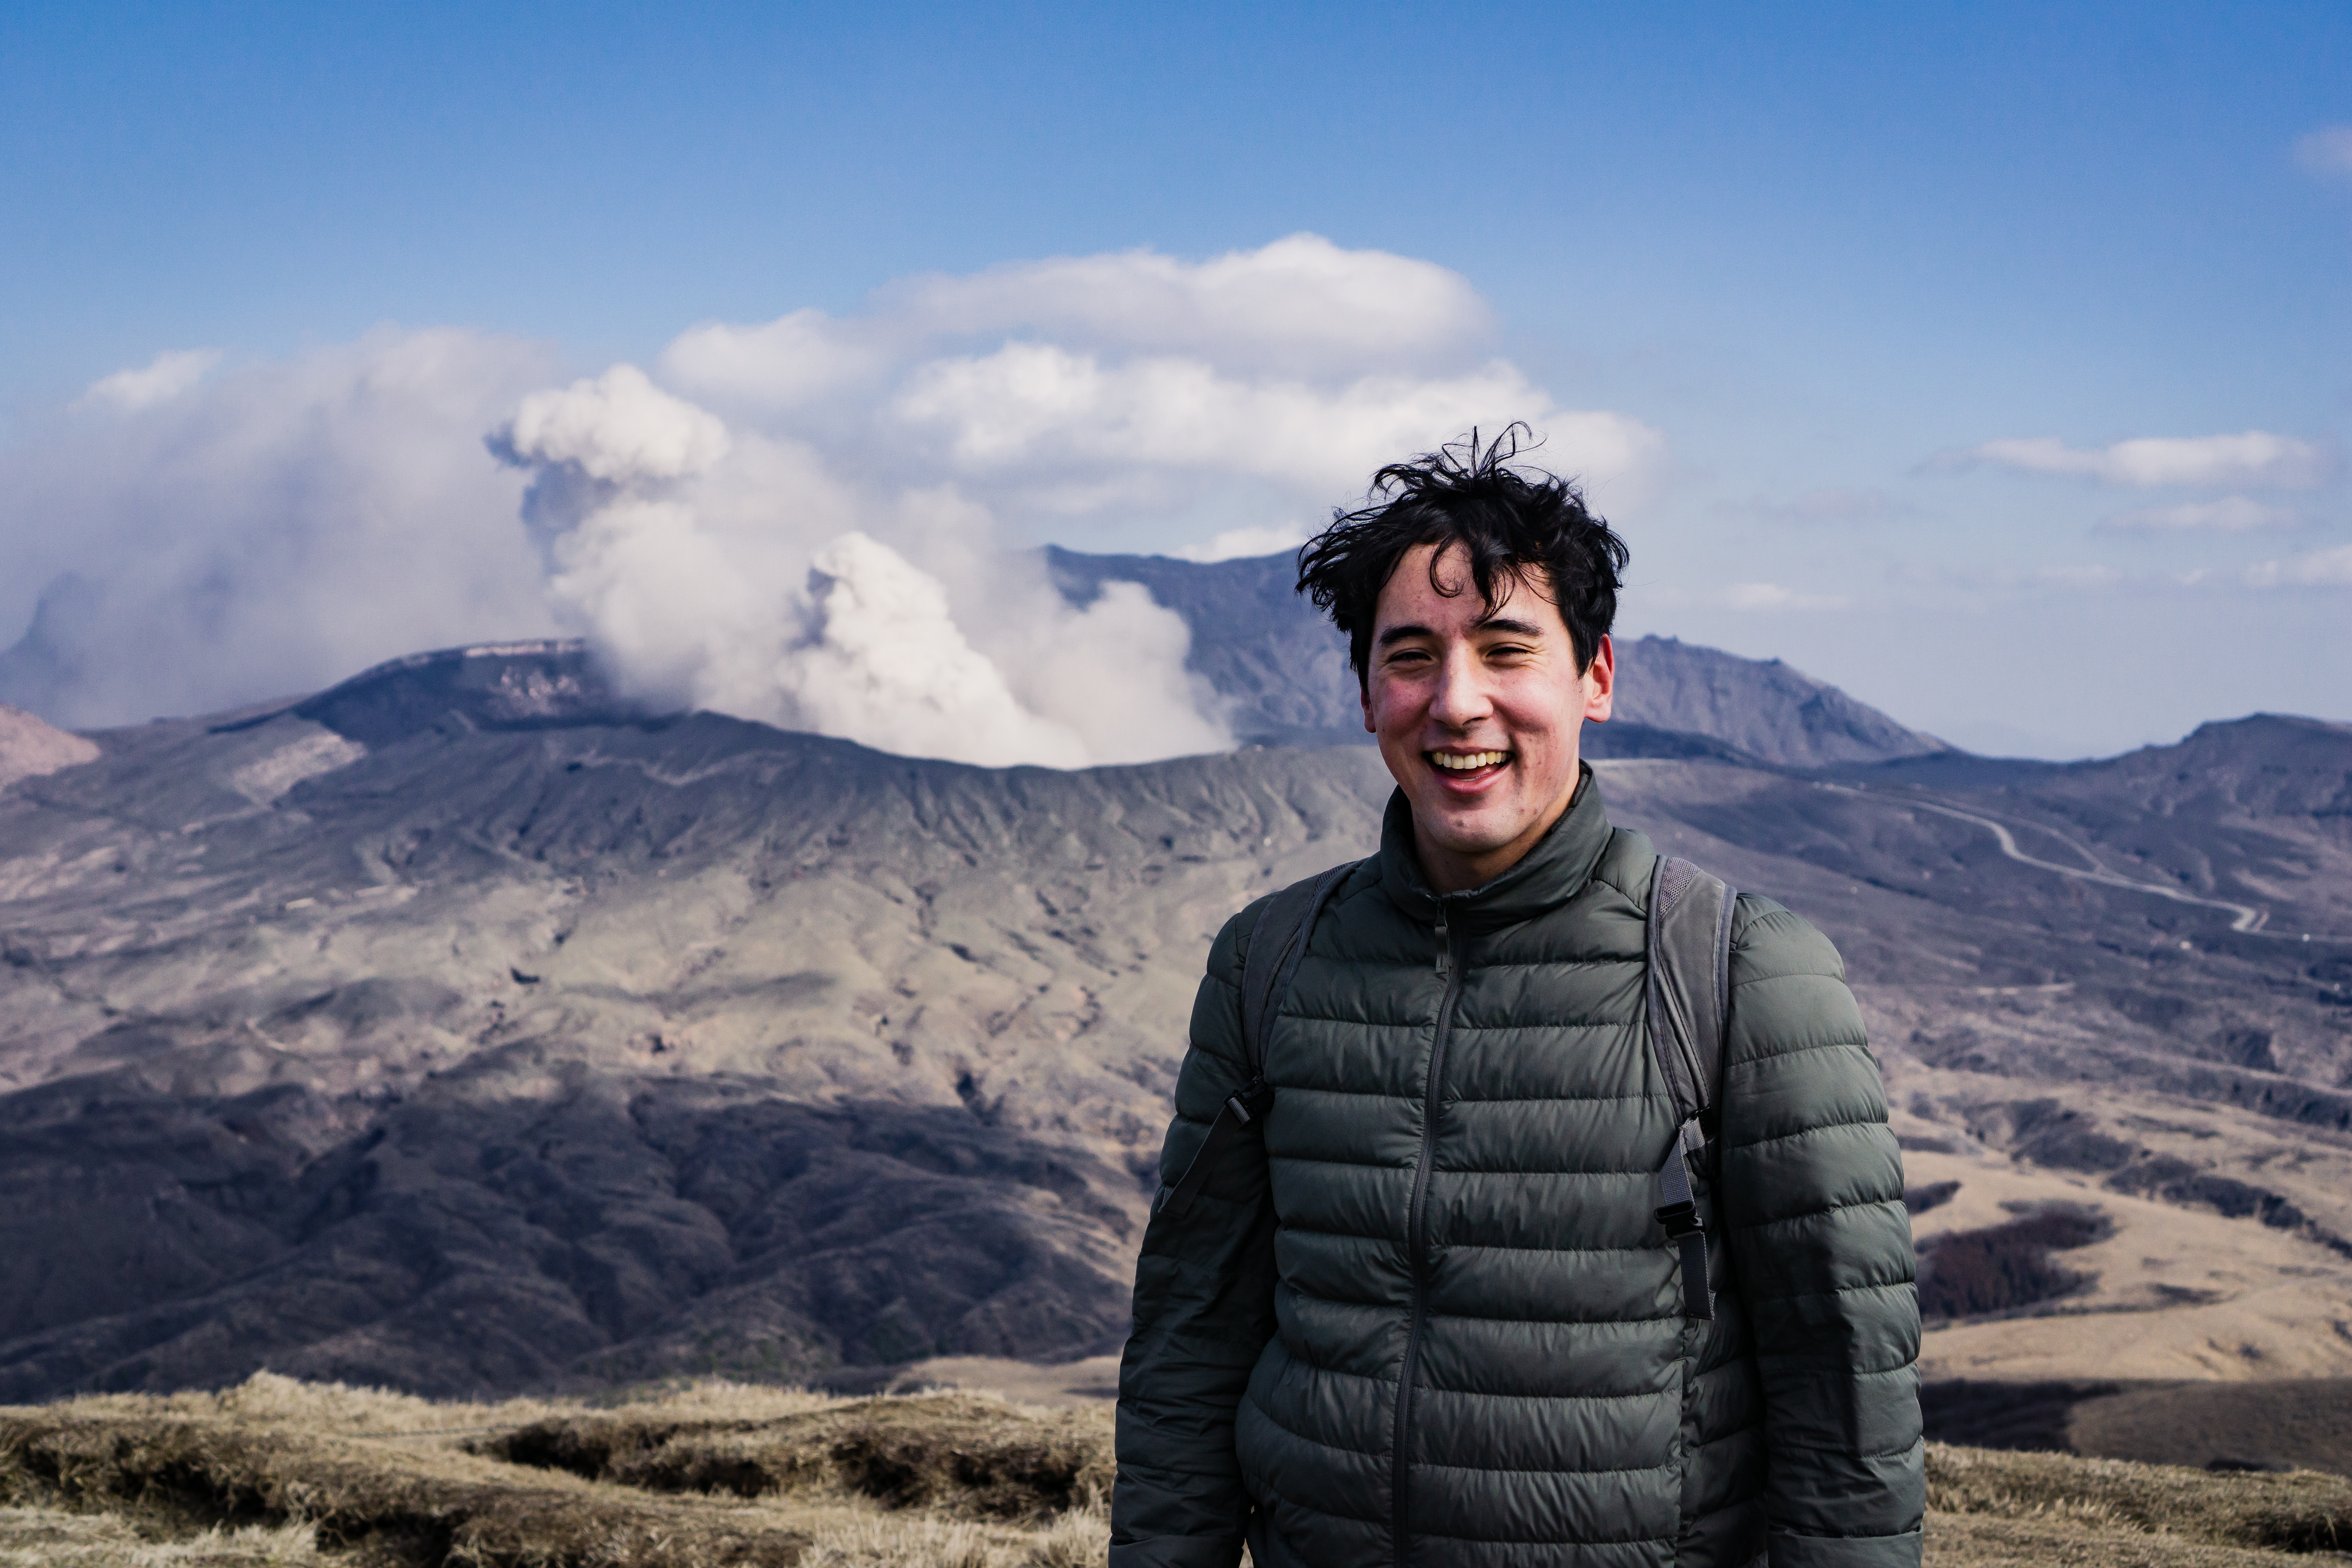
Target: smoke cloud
179,543
740,576
813,521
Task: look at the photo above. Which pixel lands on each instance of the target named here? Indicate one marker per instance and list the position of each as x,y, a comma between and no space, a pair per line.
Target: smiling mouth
1463,762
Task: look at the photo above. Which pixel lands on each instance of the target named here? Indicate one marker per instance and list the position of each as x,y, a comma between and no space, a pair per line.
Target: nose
1461,698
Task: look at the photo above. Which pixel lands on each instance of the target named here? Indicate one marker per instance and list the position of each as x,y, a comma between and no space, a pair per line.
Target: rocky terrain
462,1029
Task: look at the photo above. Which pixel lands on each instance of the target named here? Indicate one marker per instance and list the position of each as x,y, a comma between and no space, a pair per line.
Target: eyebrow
1509,628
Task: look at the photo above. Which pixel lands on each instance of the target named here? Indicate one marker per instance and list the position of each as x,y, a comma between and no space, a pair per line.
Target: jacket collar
1548,875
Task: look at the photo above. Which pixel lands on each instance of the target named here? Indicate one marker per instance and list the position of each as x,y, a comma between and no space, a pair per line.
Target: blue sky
1823,257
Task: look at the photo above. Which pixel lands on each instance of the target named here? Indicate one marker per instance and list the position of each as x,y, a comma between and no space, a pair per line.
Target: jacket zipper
1449,964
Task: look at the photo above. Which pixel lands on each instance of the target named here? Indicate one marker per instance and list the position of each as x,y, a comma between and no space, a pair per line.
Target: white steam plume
735,575
179,543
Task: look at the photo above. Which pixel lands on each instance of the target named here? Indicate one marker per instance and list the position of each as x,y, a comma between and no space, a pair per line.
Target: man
1422,1311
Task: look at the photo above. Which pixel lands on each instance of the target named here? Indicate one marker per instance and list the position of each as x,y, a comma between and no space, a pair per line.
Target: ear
1364,696
1601,681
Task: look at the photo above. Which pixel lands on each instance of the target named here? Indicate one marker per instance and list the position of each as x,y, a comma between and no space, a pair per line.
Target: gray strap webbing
1267,968
1689,1007
1274,950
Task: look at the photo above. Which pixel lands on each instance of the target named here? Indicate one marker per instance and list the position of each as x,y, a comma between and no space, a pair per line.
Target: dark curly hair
1528,528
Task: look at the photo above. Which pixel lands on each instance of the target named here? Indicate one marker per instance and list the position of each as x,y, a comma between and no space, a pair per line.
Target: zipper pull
1444,955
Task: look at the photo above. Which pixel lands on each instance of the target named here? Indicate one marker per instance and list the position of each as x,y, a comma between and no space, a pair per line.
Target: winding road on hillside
2249,918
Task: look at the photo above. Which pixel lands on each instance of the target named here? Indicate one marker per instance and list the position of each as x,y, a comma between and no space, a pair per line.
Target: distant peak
541,683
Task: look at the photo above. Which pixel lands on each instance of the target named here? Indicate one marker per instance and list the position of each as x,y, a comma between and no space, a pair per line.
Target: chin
1474,836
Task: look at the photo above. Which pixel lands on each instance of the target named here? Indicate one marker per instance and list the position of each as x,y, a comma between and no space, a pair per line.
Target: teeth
1463,762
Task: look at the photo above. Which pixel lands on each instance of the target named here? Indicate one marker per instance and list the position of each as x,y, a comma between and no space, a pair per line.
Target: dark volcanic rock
2005,1266
499,686
614,1230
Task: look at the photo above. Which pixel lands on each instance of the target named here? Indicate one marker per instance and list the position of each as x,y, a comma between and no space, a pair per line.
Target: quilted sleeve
1812,1202
1204,1311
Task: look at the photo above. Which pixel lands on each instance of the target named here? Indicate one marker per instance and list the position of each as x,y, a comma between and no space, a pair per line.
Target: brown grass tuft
1969,1541
972,1454
2300,1511
386,1503
56,1538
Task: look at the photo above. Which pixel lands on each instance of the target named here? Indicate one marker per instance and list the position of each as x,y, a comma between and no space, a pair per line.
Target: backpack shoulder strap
1277,945
1690,982
1689,944
1274,950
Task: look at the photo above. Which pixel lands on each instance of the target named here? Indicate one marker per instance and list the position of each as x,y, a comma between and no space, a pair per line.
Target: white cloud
1134,384
1042,415
2329,568
1847,507
1240,543
2328,151
1939,583
1772,596
2081,575
268,531
781,363
1298,307
2249,458
160,380
2229,514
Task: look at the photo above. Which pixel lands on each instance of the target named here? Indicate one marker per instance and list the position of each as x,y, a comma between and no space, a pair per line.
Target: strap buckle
1679,1215
1252,1102
1238,1111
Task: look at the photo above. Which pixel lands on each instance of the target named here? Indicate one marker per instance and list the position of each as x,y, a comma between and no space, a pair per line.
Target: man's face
1477,711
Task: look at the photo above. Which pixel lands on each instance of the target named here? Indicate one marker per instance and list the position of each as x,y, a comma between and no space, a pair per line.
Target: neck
1447,871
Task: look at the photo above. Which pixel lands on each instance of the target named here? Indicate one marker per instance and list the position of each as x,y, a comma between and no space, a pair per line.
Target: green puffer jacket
1431,1318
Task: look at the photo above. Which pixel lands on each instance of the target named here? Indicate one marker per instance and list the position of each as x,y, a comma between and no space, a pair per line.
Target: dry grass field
277,1472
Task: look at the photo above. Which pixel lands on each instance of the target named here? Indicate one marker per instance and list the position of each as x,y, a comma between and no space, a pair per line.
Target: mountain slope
457,1028
30,747
489,1057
